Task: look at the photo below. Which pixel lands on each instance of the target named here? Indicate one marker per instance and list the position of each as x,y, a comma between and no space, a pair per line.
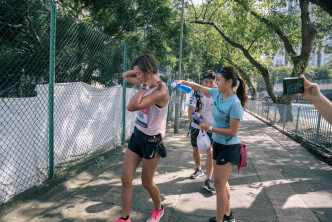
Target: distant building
317,59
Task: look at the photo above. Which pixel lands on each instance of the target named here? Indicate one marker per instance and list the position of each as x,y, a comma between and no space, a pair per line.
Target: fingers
305,81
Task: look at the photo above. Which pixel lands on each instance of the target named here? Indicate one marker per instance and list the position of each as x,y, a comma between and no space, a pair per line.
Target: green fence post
124,84
51,90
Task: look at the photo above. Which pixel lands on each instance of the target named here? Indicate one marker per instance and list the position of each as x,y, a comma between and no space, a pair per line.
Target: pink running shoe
157,214
122,220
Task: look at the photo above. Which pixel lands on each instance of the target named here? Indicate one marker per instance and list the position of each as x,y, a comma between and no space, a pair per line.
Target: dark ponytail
231,73
241,92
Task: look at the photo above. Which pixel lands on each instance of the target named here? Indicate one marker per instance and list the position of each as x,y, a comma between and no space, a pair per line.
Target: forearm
194,86
190,113
224,132
136,100
131,77
324,107
190,117
128,74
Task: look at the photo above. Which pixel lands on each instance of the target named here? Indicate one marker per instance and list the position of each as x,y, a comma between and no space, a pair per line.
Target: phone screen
293,85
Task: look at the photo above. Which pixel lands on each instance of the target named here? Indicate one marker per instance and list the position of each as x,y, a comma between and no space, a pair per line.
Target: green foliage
149,26
87,55
24,46
319,73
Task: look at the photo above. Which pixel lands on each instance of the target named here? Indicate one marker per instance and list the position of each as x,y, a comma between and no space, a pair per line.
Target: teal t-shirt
223,111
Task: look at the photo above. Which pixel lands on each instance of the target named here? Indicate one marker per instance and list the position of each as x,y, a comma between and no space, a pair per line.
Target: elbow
125,76
233,134
130,108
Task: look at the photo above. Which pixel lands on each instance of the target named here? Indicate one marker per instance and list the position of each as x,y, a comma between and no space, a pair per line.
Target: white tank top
152,120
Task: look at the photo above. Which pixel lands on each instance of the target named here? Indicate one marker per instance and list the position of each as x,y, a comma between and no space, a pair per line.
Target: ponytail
241,92
231,73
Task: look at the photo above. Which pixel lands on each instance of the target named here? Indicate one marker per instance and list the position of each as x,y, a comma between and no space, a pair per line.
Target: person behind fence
321,103
145,144
198,102
227,112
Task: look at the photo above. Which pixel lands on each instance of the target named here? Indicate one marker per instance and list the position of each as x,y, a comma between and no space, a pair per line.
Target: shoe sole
162,214
208,189
197,176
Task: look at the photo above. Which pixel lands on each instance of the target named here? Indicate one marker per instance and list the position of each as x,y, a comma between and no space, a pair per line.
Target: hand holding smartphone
293,85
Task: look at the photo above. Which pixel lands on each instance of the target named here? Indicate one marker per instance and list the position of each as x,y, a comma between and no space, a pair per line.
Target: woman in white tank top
151,104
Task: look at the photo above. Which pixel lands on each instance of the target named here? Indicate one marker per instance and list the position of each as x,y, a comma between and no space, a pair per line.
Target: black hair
209,73
231,73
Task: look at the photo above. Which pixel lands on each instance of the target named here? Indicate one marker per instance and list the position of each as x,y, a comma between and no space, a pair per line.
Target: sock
125,218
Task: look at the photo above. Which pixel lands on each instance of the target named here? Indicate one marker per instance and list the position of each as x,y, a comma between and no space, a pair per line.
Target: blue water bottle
197,117
186,89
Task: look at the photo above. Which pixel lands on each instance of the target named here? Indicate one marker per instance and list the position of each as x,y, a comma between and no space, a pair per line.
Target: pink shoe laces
156,214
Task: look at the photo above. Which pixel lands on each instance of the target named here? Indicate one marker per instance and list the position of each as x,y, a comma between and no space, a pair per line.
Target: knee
219,186
147,184
126,180
209,153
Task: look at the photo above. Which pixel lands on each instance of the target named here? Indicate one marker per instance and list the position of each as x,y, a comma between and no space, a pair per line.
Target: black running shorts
146,146
226,153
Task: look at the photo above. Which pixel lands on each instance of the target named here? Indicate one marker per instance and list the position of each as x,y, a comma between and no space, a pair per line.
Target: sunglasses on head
223,70
209,75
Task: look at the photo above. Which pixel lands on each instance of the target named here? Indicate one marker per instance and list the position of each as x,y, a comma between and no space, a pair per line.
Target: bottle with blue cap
186,89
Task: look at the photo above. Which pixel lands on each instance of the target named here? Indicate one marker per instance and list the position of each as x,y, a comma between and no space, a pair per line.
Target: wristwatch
210,129
144,86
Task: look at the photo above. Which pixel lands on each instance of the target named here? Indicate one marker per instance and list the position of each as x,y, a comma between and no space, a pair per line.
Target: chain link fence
300,120
89,115
24,65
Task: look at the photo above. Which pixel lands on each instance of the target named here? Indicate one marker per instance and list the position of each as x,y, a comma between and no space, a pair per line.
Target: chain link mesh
24,62
88,93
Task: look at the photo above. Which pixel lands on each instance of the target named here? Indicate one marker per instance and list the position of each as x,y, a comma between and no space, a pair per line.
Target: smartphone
293,85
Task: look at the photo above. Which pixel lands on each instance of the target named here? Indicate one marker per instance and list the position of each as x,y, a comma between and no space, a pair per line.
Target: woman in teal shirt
227,112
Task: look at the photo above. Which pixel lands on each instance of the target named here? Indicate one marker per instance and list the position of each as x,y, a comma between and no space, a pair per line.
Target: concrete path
283,182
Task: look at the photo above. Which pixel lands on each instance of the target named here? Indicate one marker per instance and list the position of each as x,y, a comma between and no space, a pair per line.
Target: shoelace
155,214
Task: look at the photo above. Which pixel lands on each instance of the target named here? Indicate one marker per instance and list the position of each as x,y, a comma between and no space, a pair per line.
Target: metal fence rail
39,138
301,120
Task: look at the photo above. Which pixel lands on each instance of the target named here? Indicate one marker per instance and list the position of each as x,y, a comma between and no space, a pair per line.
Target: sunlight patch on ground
316,200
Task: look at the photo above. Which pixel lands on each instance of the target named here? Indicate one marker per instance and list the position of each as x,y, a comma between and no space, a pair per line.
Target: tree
148,26
24,41
276,25
265,32
324,4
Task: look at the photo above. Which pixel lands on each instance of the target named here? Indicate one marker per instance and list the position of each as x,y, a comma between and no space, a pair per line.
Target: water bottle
186,89
198,118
